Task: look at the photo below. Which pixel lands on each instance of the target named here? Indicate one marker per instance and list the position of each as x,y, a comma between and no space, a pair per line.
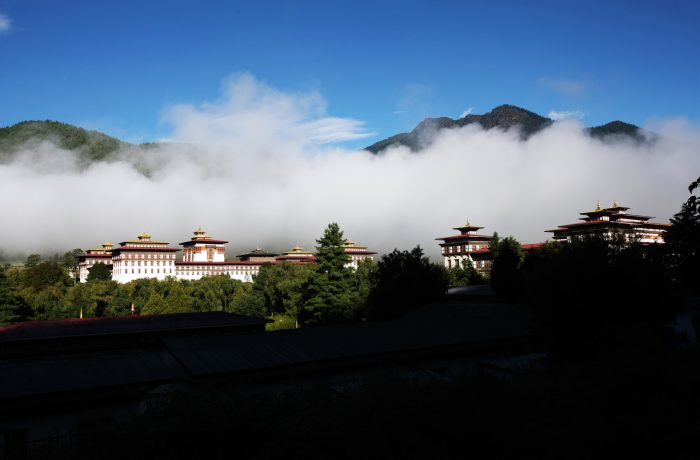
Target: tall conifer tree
328,295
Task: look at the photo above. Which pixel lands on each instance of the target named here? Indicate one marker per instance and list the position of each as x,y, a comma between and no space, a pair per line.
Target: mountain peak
505,117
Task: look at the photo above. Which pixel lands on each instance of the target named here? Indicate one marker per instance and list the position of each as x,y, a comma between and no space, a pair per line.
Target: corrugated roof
84,371
37,330
433,326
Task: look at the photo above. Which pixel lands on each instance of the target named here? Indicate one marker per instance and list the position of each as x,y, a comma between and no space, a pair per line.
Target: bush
403,281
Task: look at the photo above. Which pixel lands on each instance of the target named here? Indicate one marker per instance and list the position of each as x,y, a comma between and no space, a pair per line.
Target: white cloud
256,115
5,23
257,168
467,112
566,114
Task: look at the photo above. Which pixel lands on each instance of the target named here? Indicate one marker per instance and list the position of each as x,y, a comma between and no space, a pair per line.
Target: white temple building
202,256
143,258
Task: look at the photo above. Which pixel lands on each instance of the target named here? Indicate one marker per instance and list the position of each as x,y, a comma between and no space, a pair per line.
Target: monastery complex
202,255
469,245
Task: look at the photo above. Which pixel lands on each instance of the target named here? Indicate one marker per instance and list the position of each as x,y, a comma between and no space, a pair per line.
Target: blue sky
117,66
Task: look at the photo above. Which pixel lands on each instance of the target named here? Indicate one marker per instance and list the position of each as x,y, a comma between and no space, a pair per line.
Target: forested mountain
503,117
91,146
94,146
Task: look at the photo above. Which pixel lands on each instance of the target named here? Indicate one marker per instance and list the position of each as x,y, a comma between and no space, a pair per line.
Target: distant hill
503,117
620,128
91,146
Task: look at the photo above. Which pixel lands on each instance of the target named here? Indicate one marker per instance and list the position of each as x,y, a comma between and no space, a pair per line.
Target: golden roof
467,226
200,234
144,237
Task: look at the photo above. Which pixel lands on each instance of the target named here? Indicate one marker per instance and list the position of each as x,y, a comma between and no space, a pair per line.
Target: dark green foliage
594,294
43,288
279,287
99,271
12,307
403,281
43,275
32,261
95,298
91,146
70,259
328,295
505,275
683,243
465,275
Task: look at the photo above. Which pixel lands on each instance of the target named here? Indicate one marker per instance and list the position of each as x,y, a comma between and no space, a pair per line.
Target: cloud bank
261,167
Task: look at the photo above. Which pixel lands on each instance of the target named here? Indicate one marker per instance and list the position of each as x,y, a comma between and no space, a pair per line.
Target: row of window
205,273
463,248
145,262
148,256
476,264
125,271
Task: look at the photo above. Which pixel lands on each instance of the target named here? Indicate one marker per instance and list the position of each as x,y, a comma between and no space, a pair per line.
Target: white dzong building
143,258
611,222
202,256
94,256
356,253
205,256
469,245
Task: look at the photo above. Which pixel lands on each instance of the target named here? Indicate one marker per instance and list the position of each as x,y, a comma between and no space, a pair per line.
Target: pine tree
329,296
12,307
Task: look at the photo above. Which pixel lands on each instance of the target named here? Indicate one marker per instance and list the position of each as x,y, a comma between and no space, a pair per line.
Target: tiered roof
350,247
144,243
201,237
104,252
602,219
467,232
257,252
297,254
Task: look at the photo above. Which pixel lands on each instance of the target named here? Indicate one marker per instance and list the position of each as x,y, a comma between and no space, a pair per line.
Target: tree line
600,292
325,292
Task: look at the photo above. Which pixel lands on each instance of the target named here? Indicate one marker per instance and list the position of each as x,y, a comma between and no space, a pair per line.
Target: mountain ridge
504,117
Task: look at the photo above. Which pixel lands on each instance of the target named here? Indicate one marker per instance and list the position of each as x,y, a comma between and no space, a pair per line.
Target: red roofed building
356,253
202,256
612,221
468,245
296,255
94,256
205,256
142,258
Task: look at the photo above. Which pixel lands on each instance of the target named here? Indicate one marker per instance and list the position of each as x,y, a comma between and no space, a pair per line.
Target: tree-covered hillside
91,146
